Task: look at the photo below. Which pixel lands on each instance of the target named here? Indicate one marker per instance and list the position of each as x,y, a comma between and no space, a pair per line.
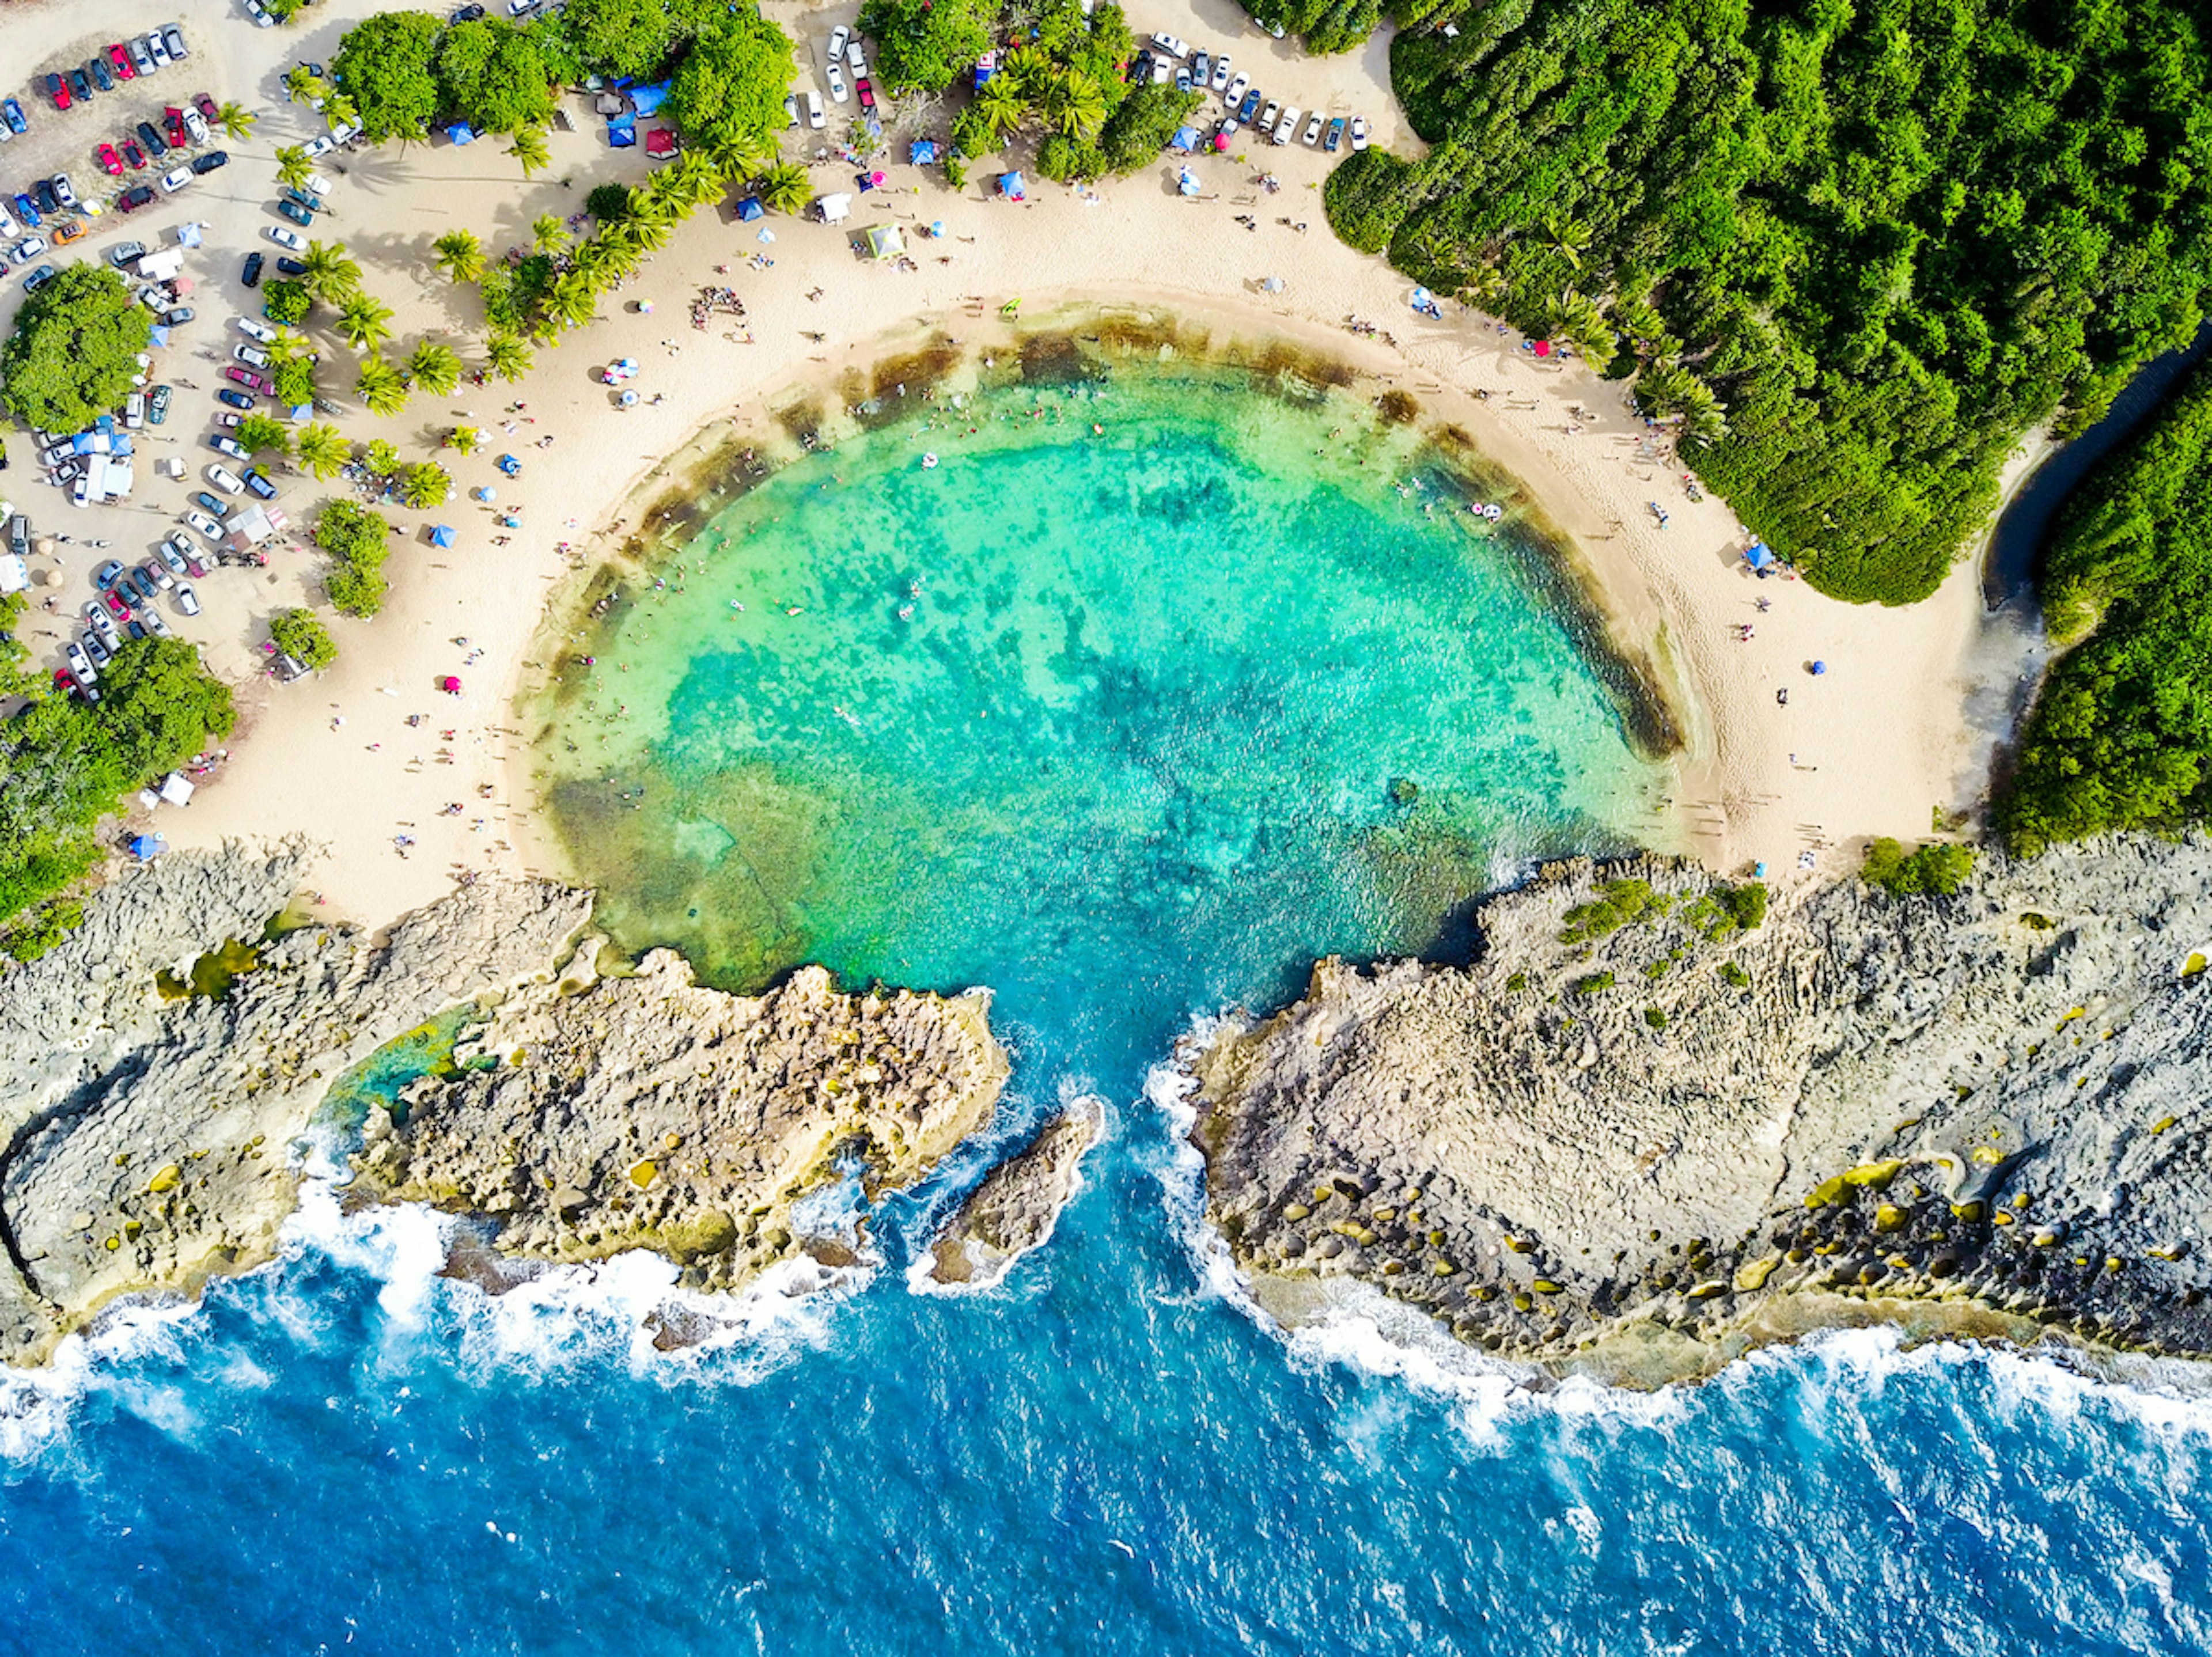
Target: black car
135,197
289,266
467,15
101,74
178,317
212,160
234,399
156,144
80,86
252,275
48,202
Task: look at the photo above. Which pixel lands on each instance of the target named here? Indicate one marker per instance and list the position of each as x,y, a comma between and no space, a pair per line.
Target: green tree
74,349
303,86
161,707
548,235
492,75
608,202
617,38
284,300
258,434
460,255
924,46
432,367
387,64
1937,868
381,458
727,97
294,377
425,484
364,322
330,272
235,119
300,635
506,357
464,439
530,151
382,388
321,450
357,541
786,187
295,166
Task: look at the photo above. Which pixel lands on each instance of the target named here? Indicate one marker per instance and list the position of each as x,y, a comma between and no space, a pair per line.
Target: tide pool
1173,707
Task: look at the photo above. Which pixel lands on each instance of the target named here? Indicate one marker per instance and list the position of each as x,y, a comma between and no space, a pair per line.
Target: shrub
1592,984
300,635
610,204
1655,1017
1734,976
1620,903
357,541
285,301
1938,867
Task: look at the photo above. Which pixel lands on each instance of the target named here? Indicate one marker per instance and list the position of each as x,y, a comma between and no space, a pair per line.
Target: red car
57,90
252,381
132,199
117,603
205,104
110,162
119,55
173,120
867,93
133,153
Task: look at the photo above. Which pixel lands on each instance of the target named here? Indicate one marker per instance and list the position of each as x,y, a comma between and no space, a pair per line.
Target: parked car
169,555
173,38
297,214
177,316
252,381
64,192
26,250
117,598
102,76
105,576
135,197
1163,68
188,602
1287,128
224,479
1171,45
134,409
1267,116
12,113
260,485
838,36
252,329
1201,69
9,229
81,86
157,404
173,127
223,445
283,238
196,126
96,648
57,90
1312,134
156,145
466,14
203,165
259,13
158,48
815,117
214,506
141,57
865,90
206,526
80,663
175,179
855,59
38,278
206,107
251,275
119,55
159,576
27,211
110,162
154,624
321,144
1359,132
1335,141
1181,79
234,399
834,74
289,267
134,154
252,356
43,191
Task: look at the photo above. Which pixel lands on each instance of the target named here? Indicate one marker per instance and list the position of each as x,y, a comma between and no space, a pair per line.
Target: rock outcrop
145,1127
1641,1151
1016,1206
646,1112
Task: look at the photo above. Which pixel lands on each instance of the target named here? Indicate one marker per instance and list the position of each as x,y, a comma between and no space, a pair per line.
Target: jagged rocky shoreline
1015,1208
146,1127
1642,1152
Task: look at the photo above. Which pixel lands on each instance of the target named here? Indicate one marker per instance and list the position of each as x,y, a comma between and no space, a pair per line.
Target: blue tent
1185,139
1010,186
648,100
750,209
923,152
146,848
622,133
442,536
160,336
1759,555
461,133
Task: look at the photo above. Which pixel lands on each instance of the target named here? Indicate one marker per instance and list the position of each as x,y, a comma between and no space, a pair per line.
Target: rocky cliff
1635,1136
1015,1208
646,1112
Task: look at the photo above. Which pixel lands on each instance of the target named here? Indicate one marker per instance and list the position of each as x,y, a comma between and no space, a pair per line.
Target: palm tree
507,356
574,301
425,484
1076,104
303,86
530,149
330,272
1000,107
649,235
460,255
365,322
785,186
1577,319
338,110
432,367
465,439
295,166
382,389
696,176
548,235
258,434
1568,236
236,121
321,449
381,458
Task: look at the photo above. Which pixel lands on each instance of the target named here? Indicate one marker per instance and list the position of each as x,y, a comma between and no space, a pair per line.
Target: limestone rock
1015,1208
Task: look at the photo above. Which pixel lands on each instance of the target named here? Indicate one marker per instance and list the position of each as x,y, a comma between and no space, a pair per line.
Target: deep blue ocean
1128,710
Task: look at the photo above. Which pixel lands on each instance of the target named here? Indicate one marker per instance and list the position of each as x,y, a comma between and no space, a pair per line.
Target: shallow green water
1124,723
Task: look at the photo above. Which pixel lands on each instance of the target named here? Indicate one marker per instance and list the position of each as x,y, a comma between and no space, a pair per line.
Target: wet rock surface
146,1127
1643,1150
646,1112
1015,1208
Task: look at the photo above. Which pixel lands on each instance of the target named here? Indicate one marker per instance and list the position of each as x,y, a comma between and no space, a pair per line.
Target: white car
1312,134
26,250
1359,132
839,92
188,602
317,184
9,229
283,238
1266,122
1220,72
1171,45
230,447
171,557
195,125
103,624
791,108
1287,128
814,117
79,663
207,526
1237,89
1162,70
855,59
222,478
134,410
158,49
252,356
229,420
64,192
172,182
260,330
321,144
152,617
838,37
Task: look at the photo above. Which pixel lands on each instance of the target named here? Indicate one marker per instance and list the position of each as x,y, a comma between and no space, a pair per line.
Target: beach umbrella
1819,668
442,536
936,230
1221,141
1272,284
450,685
765,235
629,400
486,492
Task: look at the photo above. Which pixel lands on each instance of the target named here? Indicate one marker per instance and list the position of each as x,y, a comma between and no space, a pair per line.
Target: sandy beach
1875,745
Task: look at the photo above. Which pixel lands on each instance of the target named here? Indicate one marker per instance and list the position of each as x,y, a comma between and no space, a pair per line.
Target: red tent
660,141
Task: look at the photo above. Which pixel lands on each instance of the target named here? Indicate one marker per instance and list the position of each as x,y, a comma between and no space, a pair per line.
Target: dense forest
1856,250
2121,737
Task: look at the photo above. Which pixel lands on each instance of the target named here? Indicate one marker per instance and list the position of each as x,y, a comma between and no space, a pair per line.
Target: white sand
1878,741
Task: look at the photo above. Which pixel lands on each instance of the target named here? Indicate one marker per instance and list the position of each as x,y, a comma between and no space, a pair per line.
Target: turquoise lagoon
1128,725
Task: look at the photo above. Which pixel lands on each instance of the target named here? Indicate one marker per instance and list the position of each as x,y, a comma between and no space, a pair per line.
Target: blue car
234,399
261,486
1250,106
27,210
12,112
104,577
